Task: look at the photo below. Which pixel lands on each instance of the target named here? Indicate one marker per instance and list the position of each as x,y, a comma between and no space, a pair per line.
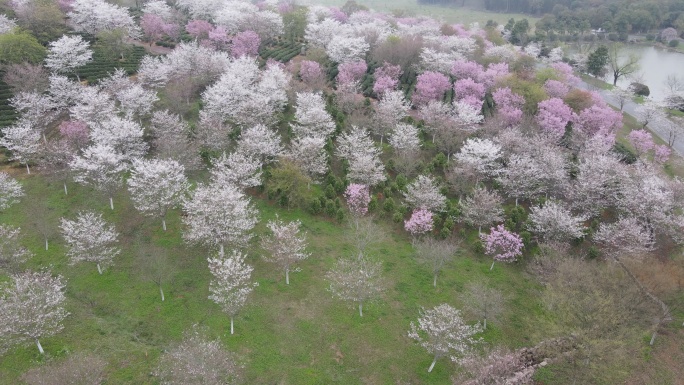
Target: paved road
659,128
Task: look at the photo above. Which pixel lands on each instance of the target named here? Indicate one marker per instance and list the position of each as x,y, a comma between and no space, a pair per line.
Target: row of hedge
7,114
100,67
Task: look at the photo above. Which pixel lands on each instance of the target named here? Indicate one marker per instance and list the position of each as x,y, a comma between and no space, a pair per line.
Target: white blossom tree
391,108
93,16
230,286
101,167
356,280
219,215
238,169
423,193
482,208
285,245
311,118
437,116
483,154
343,49
23,140
309,155
406,145
443,332
123,135
12,253
366,169
31,307
626,237
10,191
522,177
435,254
36,109
553,222
354,142
157,186
260,142
68,53
90,239
171,140
196,360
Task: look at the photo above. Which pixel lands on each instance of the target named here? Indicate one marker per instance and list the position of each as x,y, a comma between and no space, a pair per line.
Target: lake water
656,64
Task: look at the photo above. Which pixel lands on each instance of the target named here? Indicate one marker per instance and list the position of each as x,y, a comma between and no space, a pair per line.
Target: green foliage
597,61
531,91
401,181
389,205
20,47
289,184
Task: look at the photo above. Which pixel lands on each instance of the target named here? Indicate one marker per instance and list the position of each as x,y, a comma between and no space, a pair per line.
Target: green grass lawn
450,14
296,334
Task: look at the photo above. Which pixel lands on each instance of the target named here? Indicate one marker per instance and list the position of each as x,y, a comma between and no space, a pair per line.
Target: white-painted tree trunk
111,203
28,170
653,337
432,365
164,224
485,324
99,269
287,276
46,244
516,201
231,325
492,267
361,309
221,250
434,281
161,292
40,347
66,192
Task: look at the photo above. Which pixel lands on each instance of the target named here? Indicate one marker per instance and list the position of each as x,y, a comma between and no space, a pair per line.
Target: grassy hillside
296,334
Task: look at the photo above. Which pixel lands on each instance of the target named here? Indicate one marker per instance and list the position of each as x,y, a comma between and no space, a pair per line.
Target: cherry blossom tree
553,222
641,140
37,110
261,143
437,117
386,78
311,73
123,135
75,133
430,86
199,29
522,178
423,193
502,245
482,154
553,116
481,208
237,169
245,43
469,91
198,360
483,301
311,118
435,254
90,239
358,198
556,89
463,69
626,237
509,105
23,141
443,332
343,49
391,108
219,215
367,169
10,191
309,155
31,307
350,74
68,53
93,16
421,222
155,27
78,368
230,286
100,166
157,186
356,280
12,254
599,120
405,141
661,153
621,96
286,245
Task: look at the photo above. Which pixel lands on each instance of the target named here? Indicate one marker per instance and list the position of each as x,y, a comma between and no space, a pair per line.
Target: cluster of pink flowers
430,86
156,28
556,89
554,115
386,78
509,105
421,222
358,198
470,92
310,71
245,43
502,245
351,72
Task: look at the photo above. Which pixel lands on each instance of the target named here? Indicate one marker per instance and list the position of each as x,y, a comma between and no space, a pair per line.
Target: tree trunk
432,365
287,276
231,325
485,324
653,337
361,309
40,347
66,192
492,267
46,244
28,170
99,269
516,201
161,292
615,78
111,203
164,224
221,250
434,281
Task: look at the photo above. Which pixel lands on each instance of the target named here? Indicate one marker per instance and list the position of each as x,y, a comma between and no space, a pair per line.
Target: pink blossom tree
430,86
601,120
566,72
154,27
199,29
464,69
662,153
421,222
509,105
310,72
75,133
350,73
556,89
469,91
245,43
386,78
358,198
502,245
641,140
553,116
